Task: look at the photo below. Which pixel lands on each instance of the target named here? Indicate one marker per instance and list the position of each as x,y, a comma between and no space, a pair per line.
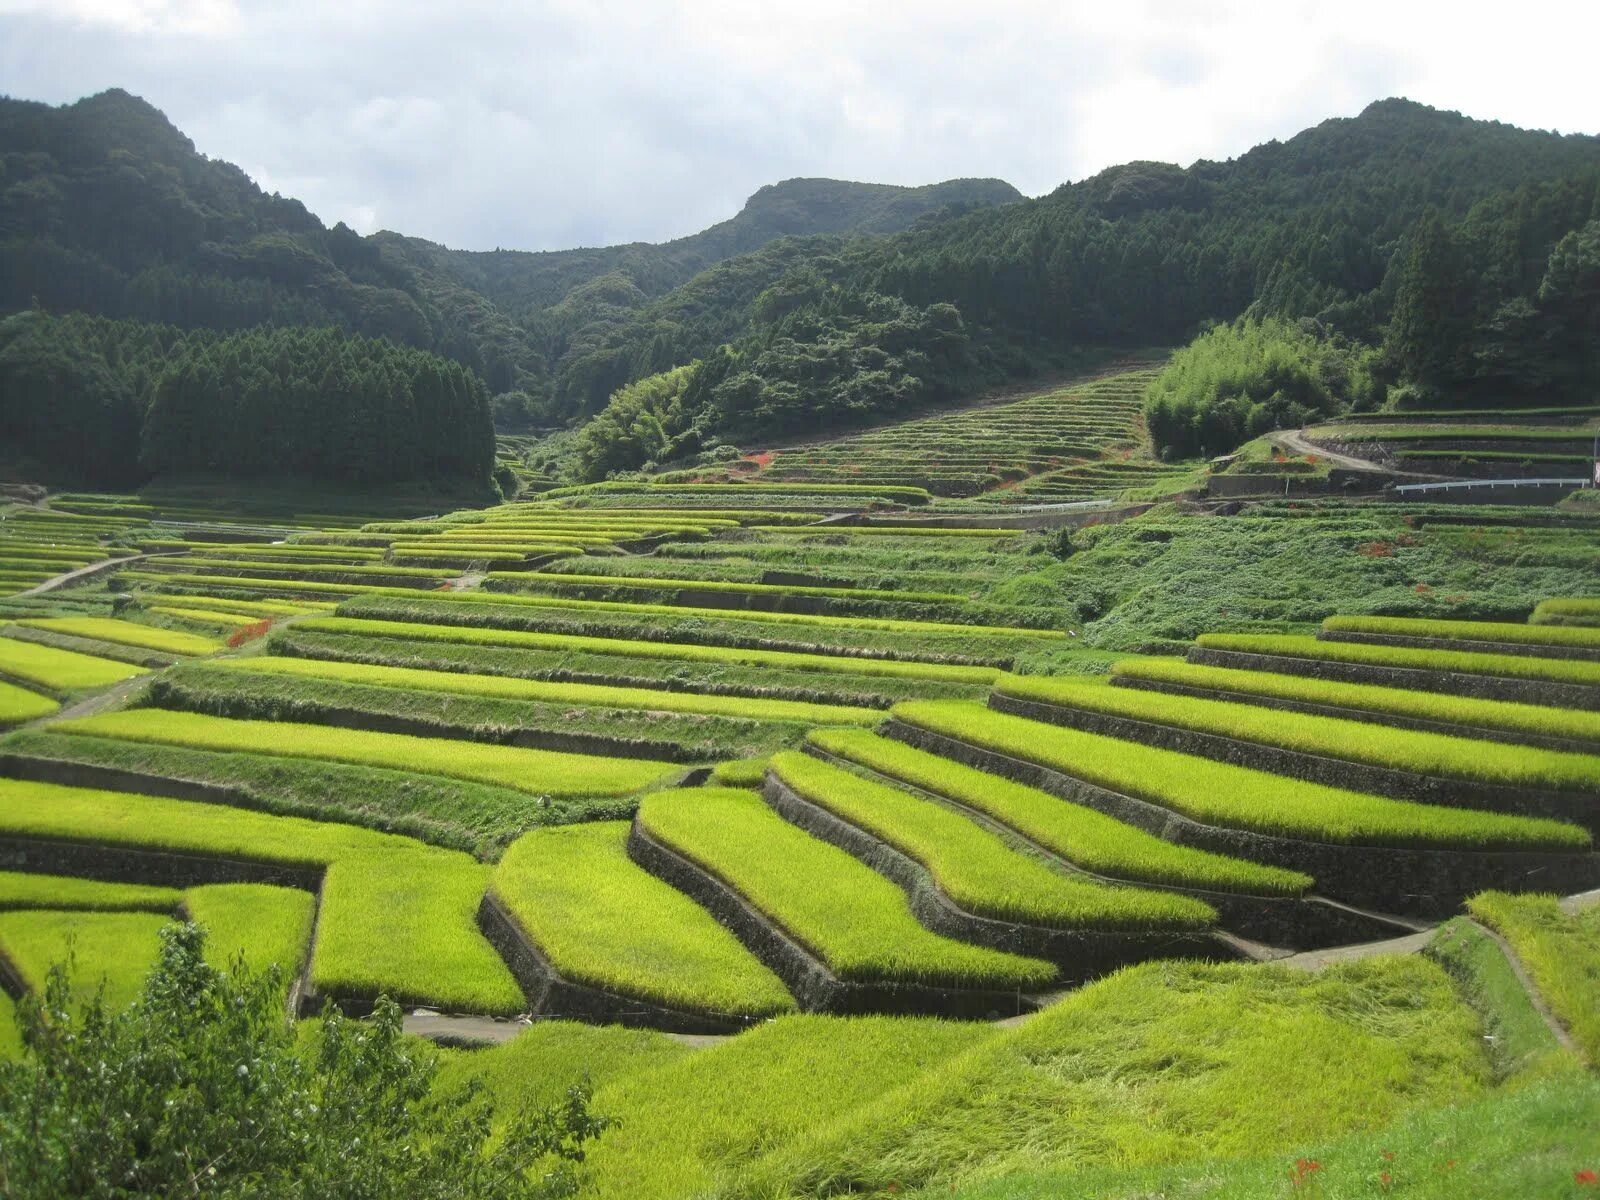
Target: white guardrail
1412,489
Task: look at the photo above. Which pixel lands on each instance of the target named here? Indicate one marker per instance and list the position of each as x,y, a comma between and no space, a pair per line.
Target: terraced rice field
977,450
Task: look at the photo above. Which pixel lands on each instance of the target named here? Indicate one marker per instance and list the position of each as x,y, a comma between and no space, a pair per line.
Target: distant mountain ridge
106,207
518,280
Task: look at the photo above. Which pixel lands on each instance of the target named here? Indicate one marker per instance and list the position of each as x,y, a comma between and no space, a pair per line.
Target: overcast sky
542,124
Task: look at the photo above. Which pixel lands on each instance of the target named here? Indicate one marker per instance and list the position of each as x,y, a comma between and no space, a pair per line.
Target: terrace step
1393,720
551,996
1578,808
1082,954
1283,925
1524,649
1414,882
816,987
1457,683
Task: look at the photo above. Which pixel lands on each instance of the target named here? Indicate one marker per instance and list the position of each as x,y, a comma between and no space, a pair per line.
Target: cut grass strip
581,694
60,670
1512,666
604,921
124,633
1417,751
685,651
1078,834
974,867
397,917
1560,950
1358,697
1468,631
1217,793
848,915
22,889
537,772
18,704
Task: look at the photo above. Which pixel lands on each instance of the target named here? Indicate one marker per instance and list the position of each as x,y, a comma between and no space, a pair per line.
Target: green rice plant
204,616
536,1068
396,916
354,570
124,633
688,1124
111,949
845,913
883,530
19,704
684,651
1361,698
537,772
22,889
562,579
16,563
315,587
1161,1063
59,670
1512,666
1078,834
601,920
741,772
1468,631
1560,949
1515,1141
974,867
248,608
1424,753
260,924
1567,611
455,813
581,694
1217,793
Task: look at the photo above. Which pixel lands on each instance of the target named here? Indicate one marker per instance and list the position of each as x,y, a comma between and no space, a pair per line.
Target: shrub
202,1089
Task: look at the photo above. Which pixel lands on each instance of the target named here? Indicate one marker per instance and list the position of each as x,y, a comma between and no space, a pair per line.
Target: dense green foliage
79,392
1500,305
1240,381
200,1088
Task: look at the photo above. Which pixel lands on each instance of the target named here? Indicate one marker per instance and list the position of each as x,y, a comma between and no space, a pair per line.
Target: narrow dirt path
1294,441
77,575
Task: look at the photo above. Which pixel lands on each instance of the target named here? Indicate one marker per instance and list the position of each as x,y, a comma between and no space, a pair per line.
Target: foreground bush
201,1088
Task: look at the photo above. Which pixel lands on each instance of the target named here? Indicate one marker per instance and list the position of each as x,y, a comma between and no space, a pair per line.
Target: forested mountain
1467,250
106,208
1324,226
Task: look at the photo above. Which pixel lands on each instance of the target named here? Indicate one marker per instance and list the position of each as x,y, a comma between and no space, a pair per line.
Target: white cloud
564,122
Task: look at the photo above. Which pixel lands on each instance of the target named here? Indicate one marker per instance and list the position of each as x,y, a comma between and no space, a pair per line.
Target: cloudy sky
541,124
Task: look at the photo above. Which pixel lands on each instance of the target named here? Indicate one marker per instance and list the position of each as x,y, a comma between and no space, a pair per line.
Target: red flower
1587,1177
1388,1155
1303,1169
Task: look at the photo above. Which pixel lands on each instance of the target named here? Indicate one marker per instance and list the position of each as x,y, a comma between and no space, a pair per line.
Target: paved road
74,576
